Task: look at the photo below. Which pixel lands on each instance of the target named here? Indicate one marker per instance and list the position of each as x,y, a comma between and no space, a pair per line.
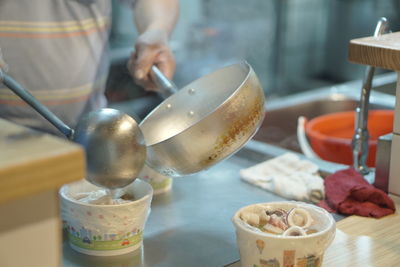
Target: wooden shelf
382,51
33,162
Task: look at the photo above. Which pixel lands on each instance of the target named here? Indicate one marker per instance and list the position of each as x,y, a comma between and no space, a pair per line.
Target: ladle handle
166,86
34,103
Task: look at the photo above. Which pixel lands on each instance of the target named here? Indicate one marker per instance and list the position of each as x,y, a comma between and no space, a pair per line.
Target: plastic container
331,135
257,248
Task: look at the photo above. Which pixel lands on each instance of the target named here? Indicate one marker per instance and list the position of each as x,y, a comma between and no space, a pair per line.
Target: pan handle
165,86
34,103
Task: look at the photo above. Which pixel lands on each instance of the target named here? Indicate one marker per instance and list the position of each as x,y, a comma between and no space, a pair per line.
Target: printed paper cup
258,248
159,182
105,230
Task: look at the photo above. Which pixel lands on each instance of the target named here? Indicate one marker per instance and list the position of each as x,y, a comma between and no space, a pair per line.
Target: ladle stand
384,52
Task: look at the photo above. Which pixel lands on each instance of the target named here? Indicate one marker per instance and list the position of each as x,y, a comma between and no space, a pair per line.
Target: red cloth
348,193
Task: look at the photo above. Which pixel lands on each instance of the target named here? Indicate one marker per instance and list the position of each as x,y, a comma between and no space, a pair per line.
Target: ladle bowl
114,144
113,141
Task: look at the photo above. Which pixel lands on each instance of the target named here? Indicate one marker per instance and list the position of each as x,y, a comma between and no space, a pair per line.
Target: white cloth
287,176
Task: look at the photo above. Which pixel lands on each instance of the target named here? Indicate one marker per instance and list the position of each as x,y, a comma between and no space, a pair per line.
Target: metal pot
205,122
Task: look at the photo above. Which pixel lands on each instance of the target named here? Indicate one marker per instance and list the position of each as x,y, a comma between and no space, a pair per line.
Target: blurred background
293,45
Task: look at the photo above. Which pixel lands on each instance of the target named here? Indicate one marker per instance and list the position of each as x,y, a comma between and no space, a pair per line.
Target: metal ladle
113,141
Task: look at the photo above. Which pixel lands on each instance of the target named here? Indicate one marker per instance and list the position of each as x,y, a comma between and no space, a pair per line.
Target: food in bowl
278,221
103,197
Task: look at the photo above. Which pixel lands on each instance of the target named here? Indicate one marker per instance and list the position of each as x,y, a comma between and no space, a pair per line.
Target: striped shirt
58,50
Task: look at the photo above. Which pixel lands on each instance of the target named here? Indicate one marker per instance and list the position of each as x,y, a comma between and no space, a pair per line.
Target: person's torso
57,49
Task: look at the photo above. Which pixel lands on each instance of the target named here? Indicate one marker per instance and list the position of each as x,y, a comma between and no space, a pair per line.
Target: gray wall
293,45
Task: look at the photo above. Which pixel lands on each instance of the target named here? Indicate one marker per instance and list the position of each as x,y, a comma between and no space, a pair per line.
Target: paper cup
257,248
159,182
105,230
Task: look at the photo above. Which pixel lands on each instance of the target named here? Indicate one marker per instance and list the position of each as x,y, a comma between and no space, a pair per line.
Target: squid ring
294,231
299,217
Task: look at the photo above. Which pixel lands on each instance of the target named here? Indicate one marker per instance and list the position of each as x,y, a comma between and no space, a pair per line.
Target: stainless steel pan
204,122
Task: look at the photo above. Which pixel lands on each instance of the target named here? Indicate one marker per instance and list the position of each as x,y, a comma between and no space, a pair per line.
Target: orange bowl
330,135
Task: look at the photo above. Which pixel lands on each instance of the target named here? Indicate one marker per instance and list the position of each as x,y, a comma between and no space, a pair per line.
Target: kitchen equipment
165,86
331,134
204,122
114,143
360,138
382,164
384,52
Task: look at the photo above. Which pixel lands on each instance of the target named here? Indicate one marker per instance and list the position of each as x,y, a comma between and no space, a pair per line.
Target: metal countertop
191,224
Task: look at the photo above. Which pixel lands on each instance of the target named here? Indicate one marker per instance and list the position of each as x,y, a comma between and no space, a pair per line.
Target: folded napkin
348,193
287,176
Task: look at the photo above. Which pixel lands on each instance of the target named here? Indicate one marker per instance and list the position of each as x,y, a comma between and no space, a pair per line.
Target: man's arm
155,21
156,15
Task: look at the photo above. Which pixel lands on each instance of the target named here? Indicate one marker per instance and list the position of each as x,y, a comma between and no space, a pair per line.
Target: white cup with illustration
105,229
271,238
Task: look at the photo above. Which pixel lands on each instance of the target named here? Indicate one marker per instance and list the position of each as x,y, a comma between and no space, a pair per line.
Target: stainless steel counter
191,225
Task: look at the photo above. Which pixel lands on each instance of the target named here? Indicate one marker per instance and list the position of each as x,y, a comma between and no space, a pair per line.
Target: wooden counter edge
358,225
42,174
382,51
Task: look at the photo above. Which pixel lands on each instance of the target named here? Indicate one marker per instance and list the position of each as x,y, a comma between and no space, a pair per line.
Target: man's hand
154,20
151,48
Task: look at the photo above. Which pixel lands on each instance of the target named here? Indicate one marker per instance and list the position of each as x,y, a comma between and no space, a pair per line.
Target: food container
160,183
105,230
258,248
331,135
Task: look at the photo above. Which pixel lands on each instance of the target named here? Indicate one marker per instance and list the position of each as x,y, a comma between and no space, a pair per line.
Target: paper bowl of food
283,234
100,224
161,183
